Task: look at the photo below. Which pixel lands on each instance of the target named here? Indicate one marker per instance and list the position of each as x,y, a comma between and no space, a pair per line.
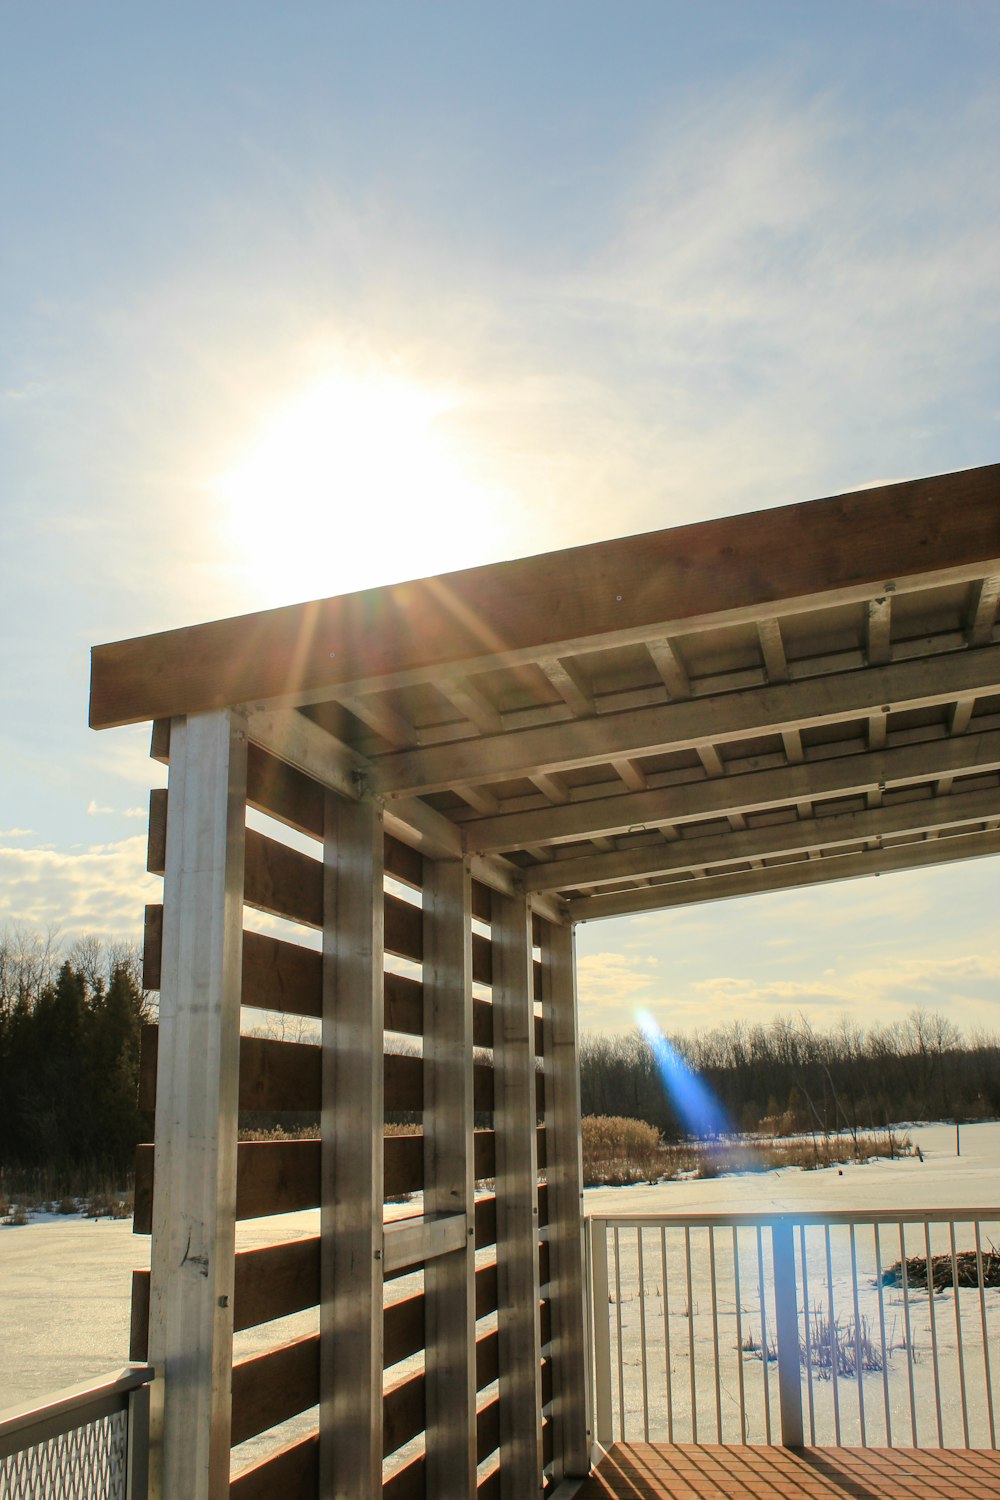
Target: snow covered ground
64,1283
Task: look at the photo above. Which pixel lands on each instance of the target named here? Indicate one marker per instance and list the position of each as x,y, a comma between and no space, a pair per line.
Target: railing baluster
715,1333
620,1351
739,1335
881,1329
666,1335
690,1292
857,1342
934,1342
763,1334
986,1337
909,1332
958,1336
832,1336
805,1321
642,1336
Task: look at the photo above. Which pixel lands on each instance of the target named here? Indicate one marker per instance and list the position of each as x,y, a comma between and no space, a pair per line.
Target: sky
296,300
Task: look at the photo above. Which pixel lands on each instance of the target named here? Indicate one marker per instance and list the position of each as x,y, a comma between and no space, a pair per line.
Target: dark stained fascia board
909,534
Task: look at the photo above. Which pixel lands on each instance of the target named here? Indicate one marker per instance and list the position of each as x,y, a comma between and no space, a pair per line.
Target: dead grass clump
943,1272
617,1151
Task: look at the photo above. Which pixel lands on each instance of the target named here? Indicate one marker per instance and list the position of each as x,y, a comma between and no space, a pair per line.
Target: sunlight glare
359,480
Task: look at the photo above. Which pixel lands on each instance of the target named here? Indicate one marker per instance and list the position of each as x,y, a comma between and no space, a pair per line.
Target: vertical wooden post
352,1130
194,1205
564,1176
517,1200
449,1187
787,1319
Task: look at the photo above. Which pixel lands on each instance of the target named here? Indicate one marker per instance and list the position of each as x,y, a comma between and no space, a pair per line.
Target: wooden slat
486,1222
487,1360
404,1004
272,1281
152,947
274,1075
616,591
403,1409
278,975
283,881
402,862
486,1290
292,1471
404,1084
488,1434
276,788
404,925
489,1486
156,836
407,1483
403,1329
272,1177
403,1164
138,1344
274,1386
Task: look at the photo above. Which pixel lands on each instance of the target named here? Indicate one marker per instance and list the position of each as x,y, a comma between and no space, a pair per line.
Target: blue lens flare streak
696,1105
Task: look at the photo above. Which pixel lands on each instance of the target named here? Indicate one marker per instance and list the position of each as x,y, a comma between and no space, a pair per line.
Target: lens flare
696,1105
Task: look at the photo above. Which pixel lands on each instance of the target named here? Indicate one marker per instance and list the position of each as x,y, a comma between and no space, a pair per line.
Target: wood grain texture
664,580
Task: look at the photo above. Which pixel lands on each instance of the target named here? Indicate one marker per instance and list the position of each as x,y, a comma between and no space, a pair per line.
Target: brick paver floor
647,1471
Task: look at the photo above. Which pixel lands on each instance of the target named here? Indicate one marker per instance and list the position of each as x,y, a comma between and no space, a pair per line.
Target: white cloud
100,890
94,810
16,833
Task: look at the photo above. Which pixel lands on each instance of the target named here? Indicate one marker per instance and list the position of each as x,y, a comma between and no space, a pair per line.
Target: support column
564,1175
197,1095
449,1280
517,1200
352,1129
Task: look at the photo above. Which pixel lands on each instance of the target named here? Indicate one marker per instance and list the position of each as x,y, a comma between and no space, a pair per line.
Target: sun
357,479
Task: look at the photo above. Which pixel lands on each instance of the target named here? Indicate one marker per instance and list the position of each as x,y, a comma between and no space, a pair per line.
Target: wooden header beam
898,537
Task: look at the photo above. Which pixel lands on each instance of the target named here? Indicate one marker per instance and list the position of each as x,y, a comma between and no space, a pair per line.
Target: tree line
69,1053
785,1076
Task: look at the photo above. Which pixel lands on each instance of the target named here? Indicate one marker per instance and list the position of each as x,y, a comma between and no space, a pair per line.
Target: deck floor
646,1471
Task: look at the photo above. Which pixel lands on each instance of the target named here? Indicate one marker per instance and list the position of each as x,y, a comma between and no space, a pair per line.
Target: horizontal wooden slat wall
273,1177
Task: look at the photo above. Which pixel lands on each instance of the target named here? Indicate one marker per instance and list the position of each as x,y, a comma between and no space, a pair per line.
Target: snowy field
64,1283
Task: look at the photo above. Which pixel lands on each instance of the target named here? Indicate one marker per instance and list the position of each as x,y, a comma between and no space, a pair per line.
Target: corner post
197,1096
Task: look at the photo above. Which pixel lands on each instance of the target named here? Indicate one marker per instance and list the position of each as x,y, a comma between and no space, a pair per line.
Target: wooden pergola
477,762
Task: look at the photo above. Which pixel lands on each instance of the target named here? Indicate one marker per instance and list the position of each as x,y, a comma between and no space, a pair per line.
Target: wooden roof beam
667,662
749,792
742,569
794,837
778,708
569,684
786,877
